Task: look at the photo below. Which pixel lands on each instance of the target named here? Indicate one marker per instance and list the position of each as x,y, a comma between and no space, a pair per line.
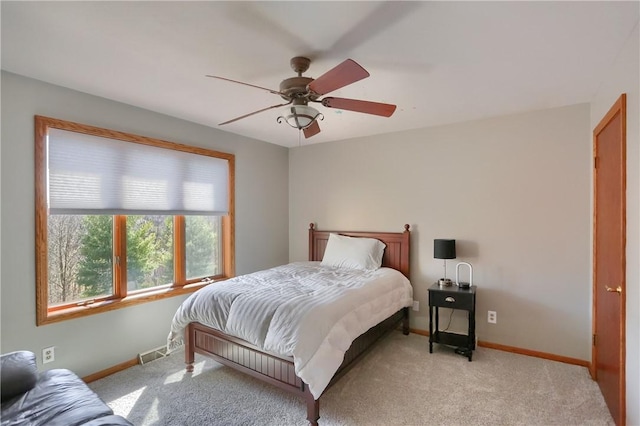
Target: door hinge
595,162
594,340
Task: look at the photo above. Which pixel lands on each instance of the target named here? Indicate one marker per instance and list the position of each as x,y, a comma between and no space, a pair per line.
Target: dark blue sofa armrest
18,373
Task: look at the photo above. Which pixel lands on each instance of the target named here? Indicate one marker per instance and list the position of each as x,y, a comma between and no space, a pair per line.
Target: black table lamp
444,249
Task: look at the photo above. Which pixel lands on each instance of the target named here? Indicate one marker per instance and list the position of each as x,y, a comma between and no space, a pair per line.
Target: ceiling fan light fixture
299,116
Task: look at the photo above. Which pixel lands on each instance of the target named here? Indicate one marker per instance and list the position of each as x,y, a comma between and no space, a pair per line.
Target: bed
279,370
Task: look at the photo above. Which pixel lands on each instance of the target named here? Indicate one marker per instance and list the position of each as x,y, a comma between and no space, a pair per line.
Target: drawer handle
450,299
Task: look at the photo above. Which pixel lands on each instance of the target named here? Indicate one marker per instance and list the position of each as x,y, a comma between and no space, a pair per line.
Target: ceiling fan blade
376,108
275,92
342,75
312,130
253,113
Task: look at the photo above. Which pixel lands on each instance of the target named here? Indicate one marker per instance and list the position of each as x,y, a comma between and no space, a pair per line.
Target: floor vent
152,355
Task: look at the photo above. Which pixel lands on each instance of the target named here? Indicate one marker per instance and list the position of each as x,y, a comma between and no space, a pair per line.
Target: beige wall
513,191
624,77
100,341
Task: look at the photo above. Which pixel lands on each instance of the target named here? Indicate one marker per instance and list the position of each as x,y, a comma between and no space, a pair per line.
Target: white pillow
351,252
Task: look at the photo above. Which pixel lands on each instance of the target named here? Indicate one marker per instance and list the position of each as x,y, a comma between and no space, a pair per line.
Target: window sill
113,304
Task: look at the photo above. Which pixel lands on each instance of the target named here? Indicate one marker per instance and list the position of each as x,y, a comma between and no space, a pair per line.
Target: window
123,219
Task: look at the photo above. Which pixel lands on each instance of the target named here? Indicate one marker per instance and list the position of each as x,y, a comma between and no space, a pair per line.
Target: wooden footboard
279,371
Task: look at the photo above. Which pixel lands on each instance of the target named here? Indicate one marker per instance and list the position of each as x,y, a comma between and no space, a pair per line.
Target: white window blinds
95,175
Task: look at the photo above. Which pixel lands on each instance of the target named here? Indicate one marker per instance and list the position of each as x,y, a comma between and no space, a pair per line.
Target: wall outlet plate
48,355
492,317
416,305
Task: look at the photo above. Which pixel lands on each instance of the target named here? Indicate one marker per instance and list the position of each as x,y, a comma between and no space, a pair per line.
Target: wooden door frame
619,107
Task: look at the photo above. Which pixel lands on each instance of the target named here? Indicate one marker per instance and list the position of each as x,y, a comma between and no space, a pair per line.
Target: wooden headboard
396,254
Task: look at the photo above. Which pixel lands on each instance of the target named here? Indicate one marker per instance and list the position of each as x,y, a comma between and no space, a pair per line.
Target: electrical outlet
416,305
48,355
492,317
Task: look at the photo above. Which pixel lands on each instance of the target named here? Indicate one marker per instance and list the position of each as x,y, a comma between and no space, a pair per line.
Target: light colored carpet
397,383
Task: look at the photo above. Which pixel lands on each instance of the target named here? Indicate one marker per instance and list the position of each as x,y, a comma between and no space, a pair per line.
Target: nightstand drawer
455,300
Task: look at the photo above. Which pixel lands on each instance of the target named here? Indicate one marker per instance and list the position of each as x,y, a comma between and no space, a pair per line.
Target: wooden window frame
120,299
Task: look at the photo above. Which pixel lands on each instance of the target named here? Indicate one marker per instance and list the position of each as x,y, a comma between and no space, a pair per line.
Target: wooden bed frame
278,370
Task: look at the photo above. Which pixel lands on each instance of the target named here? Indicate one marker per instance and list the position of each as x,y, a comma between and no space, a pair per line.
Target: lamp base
444,282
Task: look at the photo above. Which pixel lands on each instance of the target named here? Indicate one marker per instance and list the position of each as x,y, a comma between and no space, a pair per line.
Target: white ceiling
440,62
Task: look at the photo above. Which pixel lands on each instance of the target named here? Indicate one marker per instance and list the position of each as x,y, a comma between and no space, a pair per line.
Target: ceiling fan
299,91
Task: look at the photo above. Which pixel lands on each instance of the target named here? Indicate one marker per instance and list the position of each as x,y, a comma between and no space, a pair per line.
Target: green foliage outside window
149,251
202,246
95,273
81,253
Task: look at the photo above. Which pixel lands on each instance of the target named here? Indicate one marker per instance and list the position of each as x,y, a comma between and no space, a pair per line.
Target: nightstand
453,297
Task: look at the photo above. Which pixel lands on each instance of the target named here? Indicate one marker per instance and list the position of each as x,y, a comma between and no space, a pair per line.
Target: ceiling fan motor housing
295,87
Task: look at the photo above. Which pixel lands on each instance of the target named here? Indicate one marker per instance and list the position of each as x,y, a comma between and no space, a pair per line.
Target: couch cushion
18,373
60,398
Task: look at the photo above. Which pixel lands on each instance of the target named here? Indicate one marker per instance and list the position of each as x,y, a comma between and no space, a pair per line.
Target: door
608,355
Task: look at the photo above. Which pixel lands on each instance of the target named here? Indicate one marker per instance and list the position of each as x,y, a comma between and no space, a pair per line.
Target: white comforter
304,310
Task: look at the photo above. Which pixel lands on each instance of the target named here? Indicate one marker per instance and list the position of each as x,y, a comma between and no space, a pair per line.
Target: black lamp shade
444,249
